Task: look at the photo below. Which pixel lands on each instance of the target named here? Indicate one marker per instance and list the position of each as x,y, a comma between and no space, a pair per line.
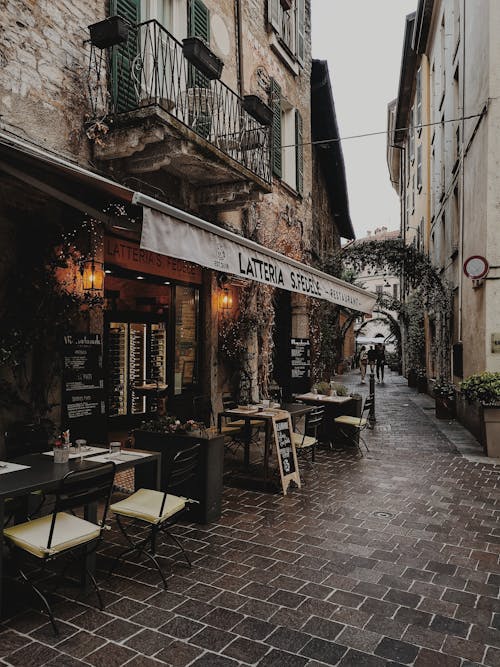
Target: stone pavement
391,559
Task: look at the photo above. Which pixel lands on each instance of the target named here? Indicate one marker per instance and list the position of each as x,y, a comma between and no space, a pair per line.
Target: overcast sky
362,41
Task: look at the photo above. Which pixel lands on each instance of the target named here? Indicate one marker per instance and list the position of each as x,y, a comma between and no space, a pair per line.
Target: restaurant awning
170,231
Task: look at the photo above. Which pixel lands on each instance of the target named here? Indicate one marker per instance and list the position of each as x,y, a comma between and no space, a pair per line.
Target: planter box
258,109
470,415
412,378
111,31
197,52
491,416
445,408
421,385
207,488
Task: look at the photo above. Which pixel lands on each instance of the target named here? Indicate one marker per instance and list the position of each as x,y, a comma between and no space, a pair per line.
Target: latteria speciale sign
164,234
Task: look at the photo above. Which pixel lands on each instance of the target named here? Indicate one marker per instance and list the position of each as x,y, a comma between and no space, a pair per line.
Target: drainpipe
239,47
462,207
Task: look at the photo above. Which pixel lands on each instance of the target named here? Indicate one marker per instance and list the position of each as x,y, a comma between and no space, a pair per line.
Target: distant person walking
380,351
363,363
372,358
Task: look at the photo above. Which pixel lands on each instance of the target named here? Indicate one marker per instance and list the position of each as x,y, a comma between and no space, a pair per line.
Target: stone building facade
444,125
142,114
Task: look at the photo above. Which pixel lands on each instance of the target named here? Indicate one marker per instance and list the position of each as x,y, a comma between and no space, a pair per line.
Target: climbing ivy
425,292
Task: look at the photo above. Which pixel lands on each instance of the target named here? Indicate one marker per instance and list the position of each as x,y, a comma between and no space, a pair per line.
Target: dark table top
43,473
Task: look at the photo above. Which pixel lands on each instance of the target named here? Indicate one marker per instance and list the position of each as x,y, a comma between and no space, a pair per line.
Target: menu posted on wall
300,353
285,451
83,381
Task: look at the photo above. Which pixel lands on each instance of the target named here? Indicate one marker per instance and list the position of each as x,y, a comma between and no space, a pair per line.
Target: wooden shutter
123,88
198,26
274,14
276,128
299,152
300,22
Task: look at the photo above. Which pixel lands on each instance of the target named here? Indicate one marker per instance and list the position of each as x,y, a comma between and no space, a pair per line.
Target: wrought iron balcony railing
151,70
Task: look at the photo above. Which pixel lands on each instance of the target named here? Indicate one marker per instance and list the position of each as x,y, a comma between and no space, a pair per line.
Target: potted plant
421,380
444,395
485,389
111,31
258,109
199,54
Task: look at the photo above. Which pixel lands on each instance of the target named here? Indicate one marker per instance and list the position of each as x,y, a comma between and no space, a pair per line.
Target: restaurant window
186,338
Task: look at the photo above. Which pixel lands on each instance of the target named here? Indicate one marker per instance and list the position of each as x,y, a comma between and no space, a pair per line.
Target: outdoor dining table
254,413
39,472
334,407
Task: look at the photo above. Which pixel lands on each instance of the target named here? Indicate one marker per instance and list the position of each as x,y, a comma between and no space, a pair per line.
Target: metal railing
151,70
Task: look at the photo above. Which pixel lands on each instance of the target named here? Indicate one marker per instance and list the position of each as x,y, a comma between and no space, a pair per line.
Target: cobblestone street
388,559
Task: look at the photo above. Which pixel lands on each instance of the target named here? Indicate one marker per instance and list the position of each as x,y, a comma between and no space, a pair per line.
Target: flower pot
111,31
491,416
258,109
421,385
445,408
197,52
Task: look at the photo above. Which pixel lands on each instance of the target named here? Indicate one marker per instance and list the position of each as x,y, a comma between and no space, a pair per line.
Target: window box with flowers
167,435
445,396
484,389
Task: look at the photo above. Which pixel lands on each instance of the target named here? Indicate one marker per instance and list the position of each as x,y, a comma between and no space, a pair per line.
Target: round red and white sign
476,267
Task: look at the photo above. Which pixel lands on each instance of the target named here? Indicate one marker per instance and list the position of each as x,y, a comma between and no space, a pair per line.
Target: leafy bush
324,388
443,388
167,424
482,387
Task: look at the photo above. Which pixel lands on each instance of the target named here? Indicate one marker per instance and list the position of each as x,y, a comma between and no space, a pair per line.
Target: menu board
285,451
300,353
83,385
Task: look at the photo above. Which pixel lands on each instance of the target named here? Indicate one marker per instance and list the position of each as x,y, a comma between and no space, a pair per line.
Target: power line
387,132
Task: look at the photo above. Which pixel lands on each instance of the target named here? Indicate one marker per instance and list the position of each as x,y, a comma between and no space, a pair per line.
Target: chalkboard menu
83,384
285,451
300,353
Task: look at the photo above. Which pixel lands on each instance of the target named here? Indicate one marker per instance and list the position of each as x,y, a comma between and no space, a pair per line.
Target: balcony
165,114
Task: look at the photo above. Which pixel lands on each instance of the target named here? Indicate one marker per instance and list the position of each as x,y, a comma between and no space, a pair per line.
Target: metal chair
158,510
62,532
309,438
352,427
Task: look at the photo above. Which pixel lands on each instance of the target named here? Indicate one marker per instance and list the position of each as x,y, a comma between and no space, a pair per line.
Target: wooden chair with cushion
308,440
61,533
352,427
158,510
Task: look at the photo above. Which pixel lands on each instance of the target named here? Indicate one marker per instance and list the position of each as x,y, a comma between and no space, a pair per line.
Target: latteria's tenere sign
129,255
162,233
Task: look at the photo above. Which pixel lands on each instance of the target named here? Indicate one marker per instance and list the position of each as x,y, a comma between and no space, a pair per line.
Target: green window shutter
300,21
274,14
299,151
198,26
123,90
276,128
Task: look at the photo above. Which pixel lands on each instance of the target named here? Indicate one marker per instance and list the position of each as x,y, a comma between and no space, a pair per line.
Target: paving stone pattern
389,559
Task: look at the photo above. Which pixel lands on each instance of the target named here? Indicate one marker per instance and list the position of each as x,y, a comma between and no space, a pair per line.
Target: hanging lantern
226,300
92,275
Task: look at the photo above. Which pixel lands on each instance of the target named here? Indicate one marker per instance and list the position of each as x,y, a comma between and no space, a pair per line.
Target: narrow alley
388,559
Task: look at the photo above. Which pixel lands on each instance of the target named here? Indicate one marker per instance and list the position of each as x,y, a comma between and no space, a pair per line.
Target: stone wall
43,62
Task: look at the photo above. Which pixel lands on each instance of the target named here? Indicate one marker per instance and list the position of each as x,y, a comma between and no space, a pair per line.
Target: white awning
164,230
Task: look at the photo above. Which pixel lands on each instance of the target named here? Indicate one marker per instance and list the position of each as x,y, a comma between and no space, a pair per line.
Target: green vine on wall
426,293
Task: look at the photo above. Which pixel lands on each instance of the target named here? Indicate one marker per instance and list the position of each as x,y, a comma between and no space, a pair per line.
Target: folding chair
309,439
62,532
158,510
352,427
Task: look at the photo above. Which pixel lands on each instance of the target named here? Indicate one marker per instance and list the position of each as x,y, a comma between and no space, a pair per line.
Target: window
288,151
412,138
419,101
395,291
186,338
379,289
289,26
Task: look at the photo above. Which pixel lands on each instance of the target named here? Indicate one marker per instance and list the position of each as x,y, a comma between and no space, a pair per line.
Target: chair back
79,488
313,421
367,406
183,468
202,410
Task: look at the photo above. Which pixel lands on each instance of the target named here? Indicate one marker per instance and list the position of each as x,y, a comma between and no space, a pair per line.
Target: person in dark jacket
372,358
380,361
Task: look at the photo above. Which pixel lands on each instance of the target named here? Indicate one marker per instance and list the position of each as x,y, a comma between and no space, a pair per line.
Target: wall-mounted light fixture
226,300
92,275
